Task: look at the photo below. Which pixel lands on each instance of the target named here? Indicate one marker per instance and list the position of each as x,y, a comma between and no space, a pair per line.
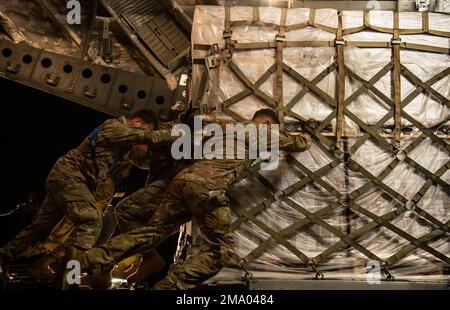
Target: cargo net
373,190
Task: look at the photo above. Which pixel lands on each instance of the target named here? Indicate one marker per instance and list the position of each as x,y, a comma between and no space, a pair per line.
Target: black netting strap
366,85
427,87
242,212
319,221
247,92
270,101
427,131
399,232
357,234
407,249
288,231
315,89
286,192
419,89
305,89
367,228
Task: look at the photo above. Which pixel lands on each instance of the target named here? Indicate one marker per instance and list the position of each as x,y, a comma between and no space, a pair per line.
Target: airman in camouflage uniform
198,191
53,247
73,180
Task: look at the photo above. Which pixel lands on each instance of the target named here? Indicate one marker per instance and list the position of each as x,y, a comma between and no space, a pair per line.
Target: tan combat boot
99,280
4,275
41,269
126,267
62,271
165,284
151,263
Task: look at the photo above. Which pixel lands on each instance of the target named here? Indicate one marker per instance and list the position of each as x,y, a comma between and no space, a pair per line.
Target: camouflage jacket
114,144
218,174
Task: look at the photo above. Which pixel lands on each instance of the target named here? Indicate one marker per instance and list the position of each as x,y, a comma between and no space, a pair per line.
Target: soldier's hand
310,127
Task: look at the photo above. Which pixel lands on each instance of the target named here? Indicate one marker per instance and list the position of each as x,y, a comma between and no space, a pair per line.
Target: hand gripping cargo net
374,188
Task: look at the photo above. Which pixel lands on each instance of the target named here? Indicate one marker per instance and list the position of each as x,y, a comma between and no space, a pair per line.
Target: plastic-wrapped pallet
338,206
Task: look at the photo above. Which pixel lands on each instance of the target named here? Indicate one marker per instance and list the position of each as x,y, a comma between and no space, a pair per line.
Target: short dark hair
147,116
267,112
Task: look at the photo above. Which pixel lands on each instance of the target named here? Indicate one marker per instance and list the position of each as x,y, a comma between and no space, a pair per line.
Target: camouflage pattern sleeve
158,136
138,158
117,132
297,142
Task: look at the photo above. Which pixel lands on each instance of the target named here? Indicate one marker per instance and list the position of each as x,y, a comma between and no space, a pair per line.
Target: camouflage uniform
135,210
73,180
198,192
54,246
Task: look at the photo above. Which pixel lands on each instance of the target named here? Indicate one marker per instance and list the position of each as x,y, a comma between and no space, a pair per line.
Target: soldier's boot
165,284
41,269
72,254
4,275
127,267
99,280
151,263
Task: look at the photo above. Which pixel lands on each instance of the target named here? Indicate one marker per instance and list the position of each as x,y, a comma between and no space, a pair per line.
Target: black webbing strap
93,148
305,89
280,39
404,251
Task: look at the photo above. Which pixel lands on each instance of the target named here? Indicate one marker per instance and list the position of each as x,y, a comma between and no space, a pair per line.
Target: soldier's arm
295,142
138,158
120,133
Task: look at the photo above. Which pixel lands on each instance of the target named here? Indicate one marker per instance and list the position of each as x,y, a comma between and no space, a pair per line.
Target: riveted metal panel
155,28
17,59
56,71
131,92
94,83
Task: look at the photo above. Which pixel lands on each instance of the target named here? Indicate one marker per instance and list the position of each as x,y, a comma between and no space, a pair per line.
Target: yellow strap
283,22
367,44
312,17
426,48
341,82
297,26
366,19
227,18
279,62
425,22
256,17
397,81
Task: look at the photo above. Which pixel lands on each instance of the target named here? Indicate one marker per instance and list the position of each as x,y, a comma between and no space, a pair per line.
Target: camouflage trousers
182,202
64,198
132,212
135,210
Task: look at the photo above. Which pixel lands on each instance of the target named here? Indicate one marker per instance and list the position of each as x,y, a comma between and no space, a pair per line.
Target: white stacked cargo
377,195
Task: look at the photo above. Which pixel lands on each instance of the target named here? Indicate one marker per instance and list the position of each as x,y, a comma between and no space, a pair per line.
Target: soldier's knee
226,254
224,251
80,212
122,210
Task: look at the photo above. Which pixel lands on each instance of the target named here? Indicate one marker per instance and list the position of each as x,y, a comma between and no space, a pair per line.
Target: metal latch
90,93
218,195
126,105
13,68
52,80
227,34
213,61
396,41
340,42
213,58
280,38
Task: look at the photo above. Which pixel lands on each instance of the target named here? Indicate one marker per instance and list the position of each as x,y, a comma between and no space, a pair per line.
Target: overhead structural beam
70,33
340,5
172,81
179,14
11,29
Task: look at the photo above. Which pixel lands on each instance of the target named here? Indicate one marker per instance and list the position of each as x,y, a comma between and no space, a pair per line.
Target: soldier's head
265,116
146,119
